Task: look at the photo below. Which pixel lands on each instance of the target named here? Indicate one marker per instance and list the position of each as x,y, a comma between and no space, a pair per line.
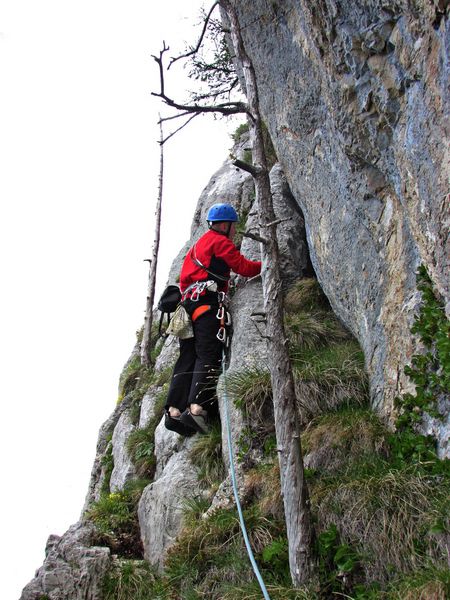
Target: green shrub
338,563
141,447
430,372
129,376
239,132
208,546
115,518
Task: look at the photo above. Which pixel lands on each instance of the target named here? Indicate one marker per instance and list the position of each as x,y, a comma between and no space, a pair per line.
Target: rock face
73,569
162,502
355,98
353,95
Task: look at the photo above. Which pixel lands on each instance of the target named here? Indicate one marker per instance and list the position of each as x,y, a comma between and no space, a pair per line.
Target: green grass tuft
387,514
305,295
335,440
429,583
141,442
250,388
206,454
308,330
130,580
329,377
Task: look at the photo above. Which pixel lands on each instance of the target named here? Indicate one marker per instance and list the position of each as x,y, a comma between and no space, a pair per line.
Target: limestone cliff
354,96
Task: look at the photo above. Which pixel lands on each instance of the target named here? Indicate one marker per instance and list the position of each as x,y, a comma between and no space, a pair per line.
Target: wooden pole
146,339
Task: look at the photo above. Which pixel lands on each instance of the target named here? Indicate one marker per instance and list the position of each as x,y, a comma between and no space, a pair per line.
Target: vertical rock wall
355,97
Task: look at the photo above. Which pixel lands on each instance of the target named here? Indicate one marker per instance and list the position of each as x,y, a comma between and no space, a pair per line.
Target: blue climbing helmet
222,212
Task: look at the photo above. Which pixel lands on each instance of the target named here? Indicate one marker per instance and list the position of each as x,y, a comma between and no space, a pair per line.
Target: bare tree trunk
145,346
300,530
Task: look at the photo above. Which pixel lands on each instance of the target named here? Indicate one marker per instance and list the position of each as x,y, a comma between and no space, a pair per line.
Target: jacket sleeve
228,252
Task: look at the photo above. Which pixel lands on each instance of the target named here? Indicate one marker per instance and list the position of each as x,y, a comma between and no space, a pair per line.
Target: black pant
197,369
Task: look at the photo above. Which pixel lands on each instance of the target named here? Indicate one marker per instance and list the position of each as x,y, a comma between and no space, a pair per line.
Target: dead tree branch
179,128
200,41
276,222
153,262
254,236
240,164
225,108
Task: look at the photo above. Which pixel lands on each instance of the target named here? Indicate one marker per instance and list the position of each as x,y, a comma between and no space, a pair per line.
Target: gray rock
147,408
123,469
167,443
168,354
228,184
224,497
73,569
165,360
294,253
161,505
103,445
355,101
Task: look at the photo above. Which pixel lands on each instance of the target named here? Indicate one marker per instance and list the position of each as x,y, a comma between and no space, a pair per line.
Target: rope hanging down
235,491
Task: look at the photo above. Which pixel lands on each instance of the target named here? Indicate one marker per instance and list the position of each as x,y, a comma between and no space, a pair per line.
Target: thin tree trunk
300,530
145,346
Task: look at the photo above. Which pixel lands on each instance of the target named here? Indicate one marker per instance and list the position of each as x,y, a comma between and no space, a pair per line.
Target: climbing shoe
198,422
175,424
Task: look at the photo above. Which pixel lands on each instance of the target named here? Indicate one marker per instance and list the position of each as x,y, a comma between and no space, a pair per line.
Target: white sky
78,184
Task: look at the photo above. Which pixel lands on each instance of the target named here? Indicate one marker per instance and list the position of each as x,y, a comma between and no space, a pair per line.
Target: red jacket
218,254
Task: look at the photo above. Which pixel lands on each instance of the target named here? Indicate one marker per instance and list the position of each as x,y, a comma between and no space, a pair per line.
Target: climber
204,283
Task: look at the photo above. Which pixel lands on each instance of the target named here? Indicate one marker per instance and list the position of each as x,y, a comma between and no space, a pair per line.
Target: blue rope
235,491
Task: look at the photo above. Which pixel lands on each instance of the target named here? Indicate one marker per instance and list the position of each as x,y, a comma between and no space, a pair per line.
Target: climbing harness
234,484
196,289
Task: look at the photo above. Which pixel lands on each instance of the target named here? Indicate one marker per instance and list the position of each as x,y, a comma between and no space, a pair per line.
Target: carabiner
221,313
222,335
228,319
